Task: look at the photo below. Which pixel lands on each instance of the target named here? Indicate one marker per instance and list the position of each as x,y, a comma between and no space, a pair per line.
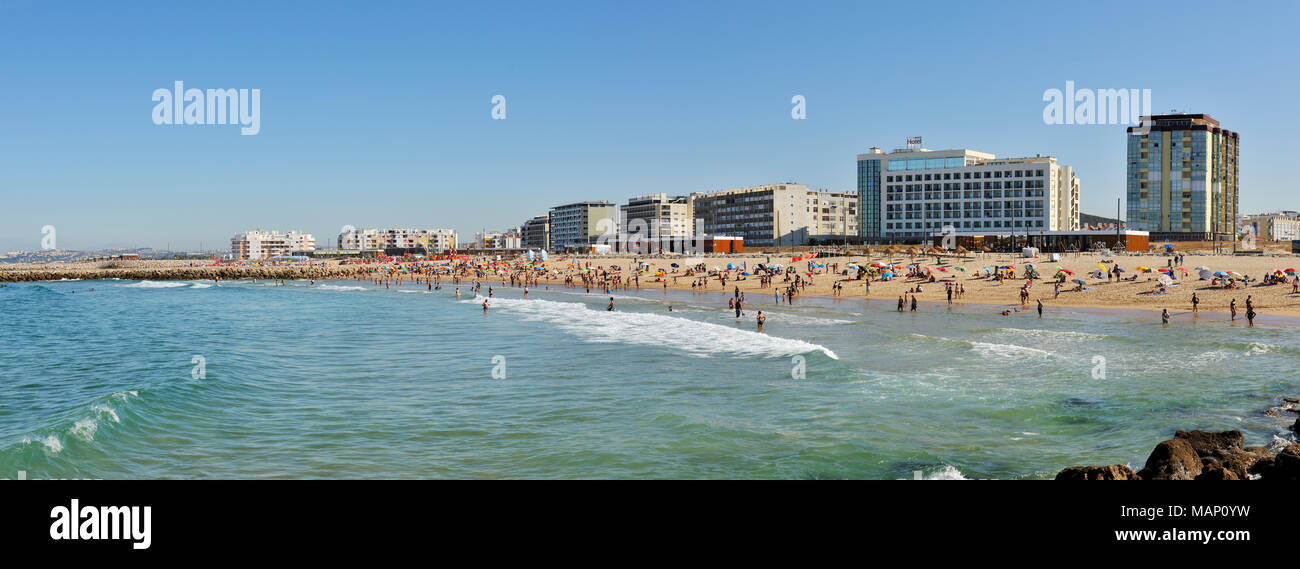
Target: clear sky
379,113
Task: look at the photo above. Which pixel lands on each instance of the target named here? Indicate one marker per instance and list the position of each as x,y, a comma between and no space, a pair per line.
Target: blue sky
379,113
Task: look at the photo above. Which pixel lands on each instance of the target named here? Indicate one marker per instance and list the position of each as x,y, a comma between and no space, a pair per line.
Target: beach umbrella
1235,275
746,274
1080,281
1220,274
1290,271
1066,271
1205,274
877,265
962,269
1202,268
1162,270
887,274
1169,247
675,265
1165,280
1059,274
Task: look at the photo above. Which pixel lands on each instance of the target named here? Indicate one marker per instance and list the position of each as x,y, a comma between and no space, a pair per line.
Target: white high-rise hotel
914,193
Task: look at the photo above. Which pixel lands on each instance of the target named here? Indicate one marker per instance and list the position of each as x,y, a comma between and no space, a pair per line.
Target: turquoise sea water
349,380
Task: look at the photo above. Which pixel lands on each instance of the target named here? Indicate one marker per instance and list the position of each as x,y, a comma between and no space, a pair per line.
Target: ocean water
348,380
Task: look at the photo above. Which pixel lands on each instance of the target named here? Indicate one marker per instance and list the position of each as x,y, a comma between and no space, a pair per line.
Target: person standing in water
610,308
485,306
1232,309
1250,314
1164,317
913,303
1195,302
1040,308
761,319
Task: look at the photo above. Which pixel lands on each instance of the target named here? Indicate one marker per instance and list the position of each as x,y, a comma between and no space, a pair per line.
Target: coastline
1278,307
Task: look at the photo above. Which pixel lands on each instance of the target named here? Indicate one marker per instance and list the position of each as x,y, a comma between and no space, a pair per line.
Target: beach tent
543,255
1165,280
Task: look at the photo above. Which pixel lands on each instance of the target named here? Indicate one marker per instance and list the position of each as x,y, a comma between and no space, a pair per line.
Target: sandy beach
1126,294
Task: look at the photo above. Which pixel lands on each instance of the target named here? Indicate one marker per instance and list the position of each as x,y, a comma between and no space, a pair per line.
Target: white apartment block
582,224
508,239
778,214
1284,226
912,193
433,240
658,215
258,244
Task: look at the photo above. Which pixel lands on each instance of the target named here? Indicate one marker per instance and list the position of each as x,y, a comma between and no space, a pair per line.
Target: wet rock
1214,447
1112,472
1217,472
1174,459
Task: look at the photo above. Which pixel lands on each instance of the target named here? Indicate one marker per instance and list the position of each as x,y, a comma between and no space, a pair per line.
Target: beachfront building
578,226
509,239
778,214
536,232
258,244
909,193
384,239
658,215
1182,178
1282,226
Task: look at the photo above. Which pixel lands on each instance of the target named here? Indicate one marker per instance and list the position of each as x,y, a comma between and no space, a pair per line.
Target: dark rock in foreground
1112,472
1201,455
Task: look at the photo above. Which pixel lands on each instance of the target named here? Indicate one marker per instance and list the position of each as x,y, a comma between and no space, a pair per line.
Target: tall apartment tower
1182,178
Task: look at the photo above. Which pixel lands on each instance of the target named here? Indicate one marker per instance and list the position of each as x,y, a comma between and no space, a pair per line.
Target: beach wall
155,273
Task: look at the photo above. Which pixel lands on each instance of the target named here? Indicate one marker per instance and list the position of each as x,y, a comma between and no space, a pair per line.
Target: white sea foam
946,473
1256,348
85,429
1007,350
340,287
51,443
200,285
1048,333
154,284
700,339
106,410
